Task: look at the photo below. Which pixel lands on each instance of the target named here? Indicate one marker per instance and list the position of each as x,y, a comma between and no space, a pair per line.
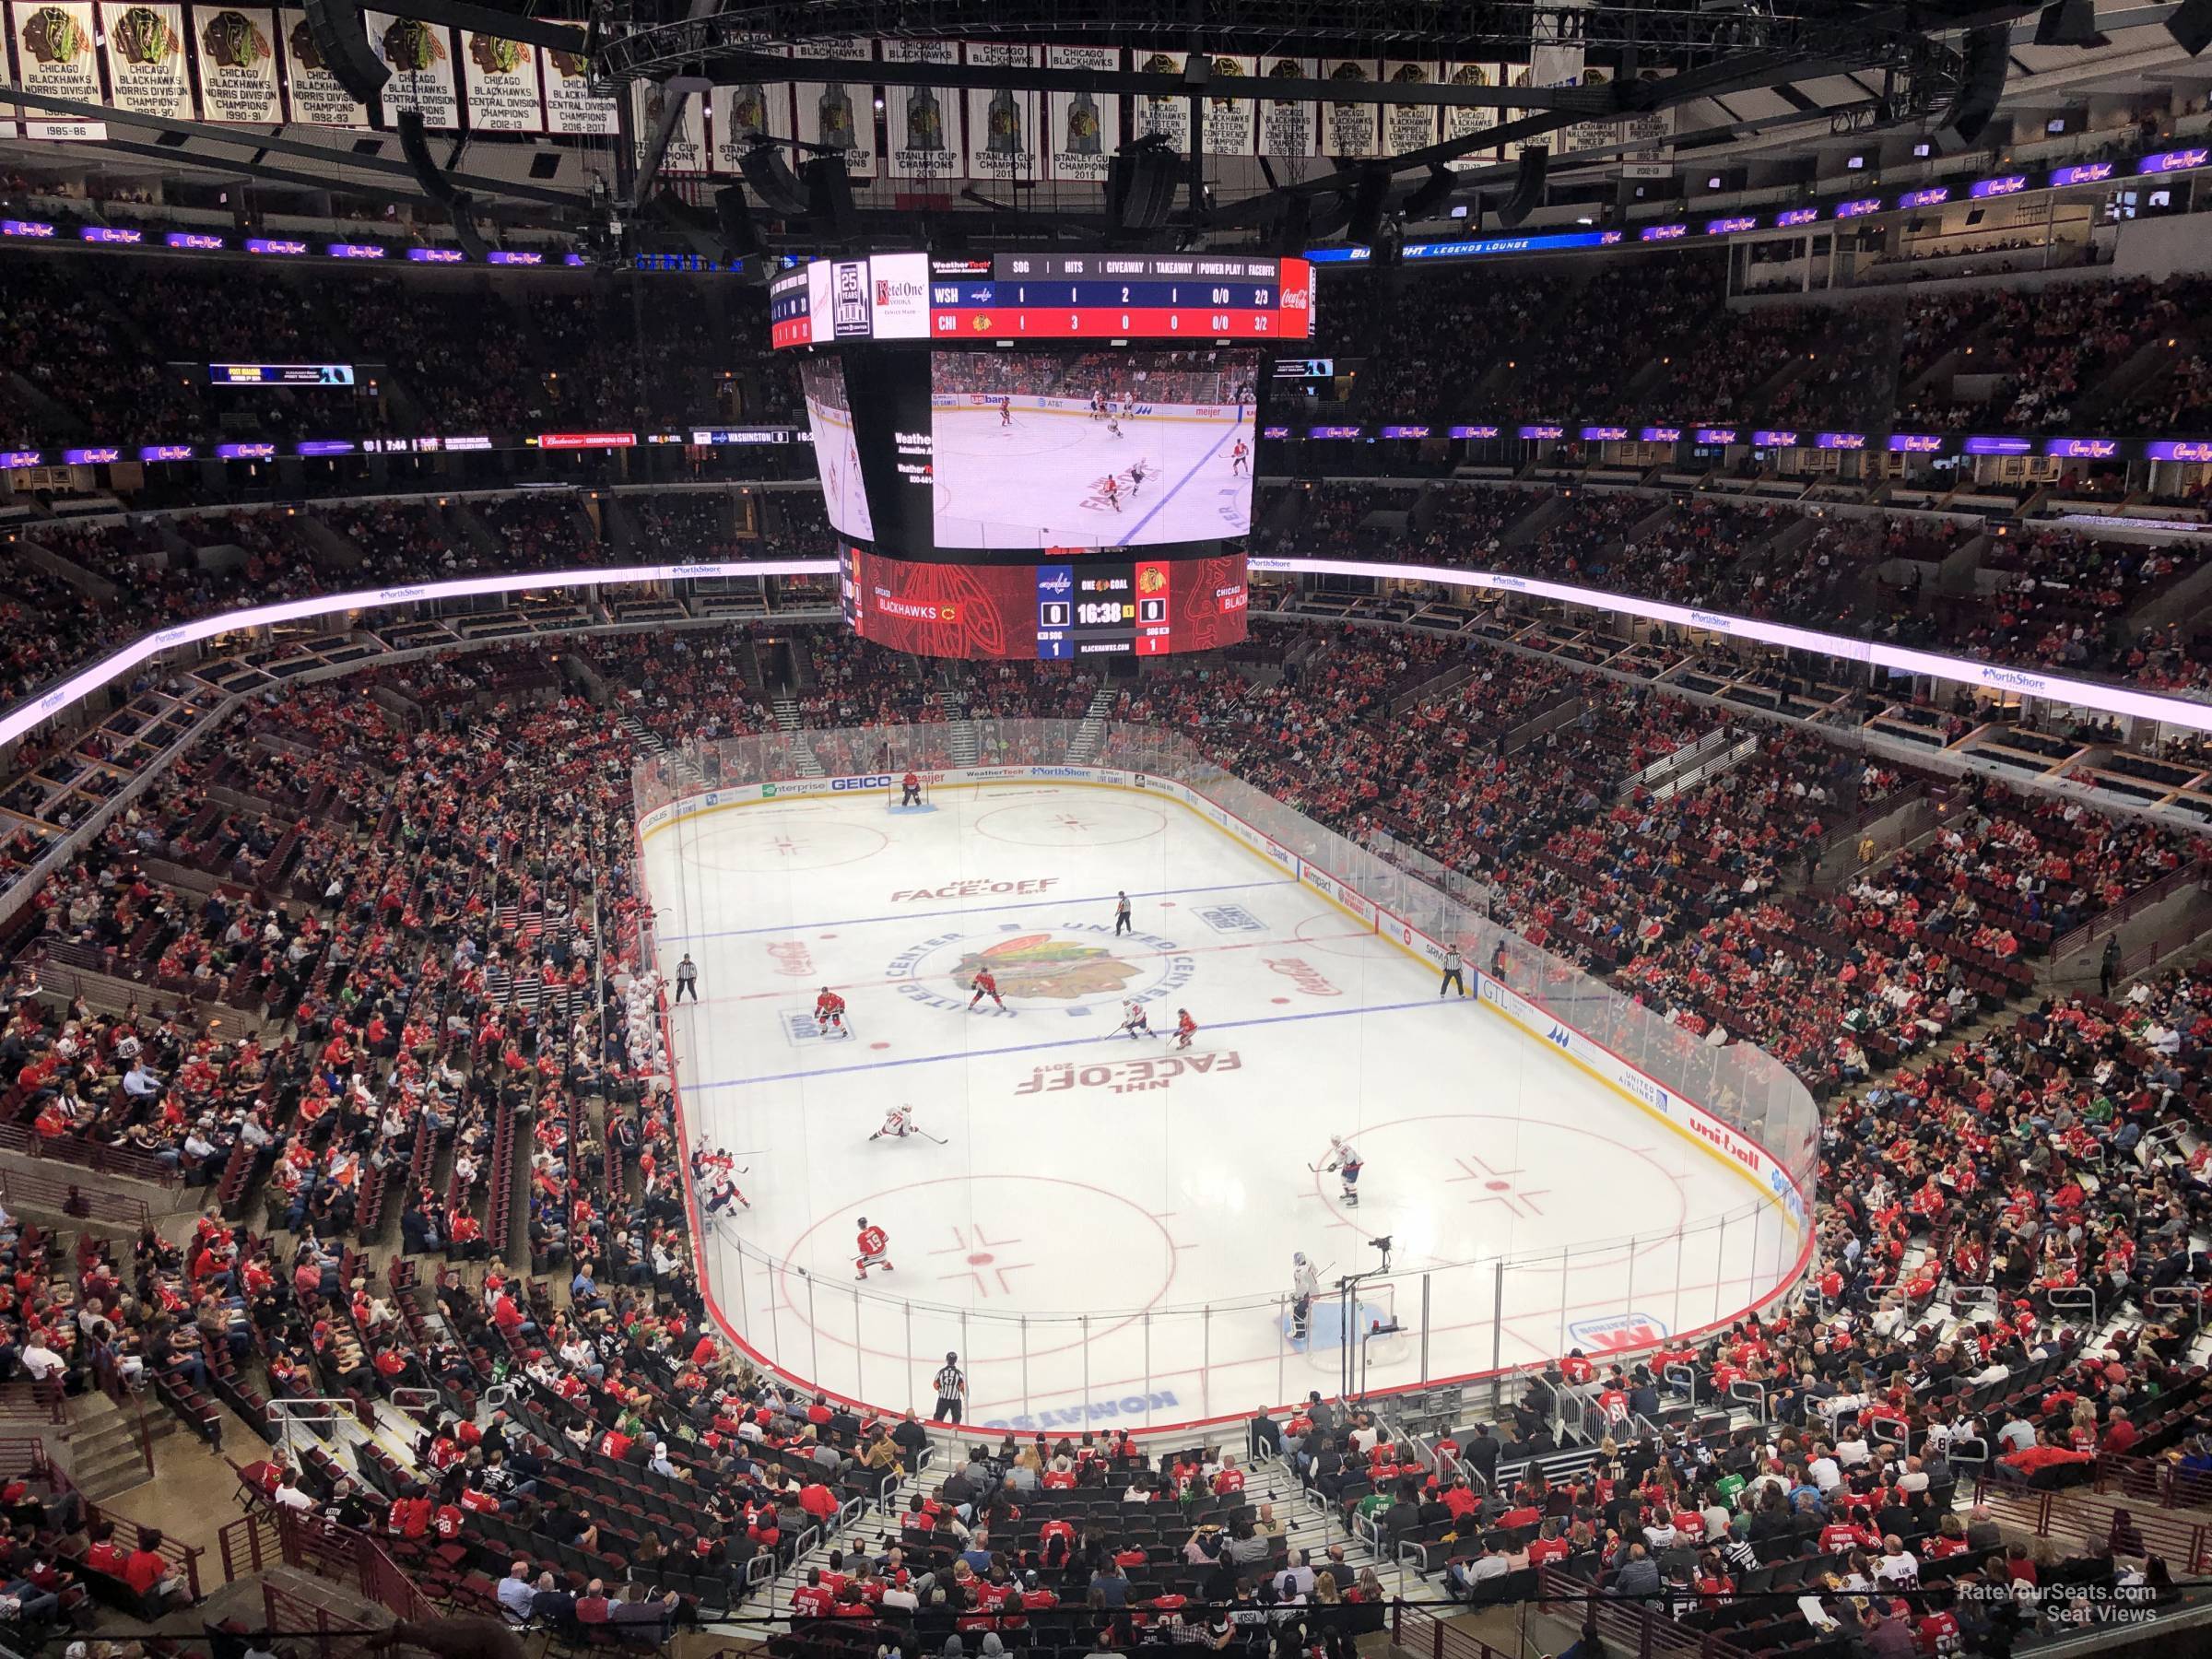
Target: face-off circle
949,1251
783,844
1088,818
1078,967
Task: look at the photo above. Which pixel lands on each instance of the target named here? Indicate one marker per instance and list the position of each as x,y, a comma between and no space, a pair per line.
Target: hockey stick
926,1134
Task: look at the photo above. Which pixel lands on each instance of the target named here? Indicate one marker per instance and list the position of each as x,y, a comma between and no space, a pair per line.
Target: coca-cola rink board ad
1073,606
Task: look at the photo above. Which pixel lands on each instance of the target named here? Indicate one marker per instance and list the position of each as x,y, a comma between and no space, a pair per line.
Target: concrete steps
105,1454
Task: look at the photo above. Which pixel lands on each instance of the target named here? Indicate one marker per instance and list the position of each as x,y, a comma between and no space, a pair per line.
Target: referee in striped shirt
952,1390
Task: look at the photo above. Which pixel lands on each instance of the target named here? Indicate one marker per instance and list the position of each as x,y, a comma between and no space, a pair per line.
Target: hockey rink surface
1037,481
1107,1232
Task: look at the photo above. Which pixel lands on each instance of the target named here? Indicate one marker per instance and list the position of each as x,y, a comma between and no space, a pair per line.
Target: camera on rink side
1382,1244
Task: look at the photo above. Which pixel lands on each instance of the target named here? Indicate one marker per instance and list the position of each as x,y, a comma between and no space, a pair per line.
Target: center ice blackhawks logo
1079,965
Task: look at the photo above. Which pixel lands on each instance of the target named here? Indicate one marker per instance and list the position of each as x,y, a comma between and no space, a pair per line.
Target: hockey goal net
895,796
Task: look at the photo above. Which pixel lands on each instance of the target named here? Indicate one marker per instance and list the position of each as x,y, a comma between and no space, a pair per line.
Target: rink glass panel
869,1344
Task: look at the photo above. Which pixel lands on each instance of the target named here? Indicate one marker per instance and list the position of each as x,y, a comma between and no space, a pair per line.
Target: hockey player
1134,1020
725,1193
910,790
1240,459
1111,490
984,984
1345,1162
1137,477
1098,405
871,1244
1305,1284
1113,426
1185,1028
1005,412
897,1122
829,1012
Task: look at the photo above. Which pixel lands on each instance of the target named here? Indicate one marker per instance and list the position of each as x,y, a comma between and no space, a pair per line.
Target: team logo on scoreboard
1075,965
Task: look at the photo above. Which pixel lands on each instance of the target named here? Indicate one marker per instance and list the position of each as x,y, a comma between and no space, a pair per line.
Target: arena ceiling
1768,92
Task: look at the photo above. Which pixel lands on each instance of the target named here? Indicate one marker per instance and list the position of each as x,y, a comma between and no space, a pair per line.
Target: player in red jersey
1006,412
1111,488
1240,458
871,1244
829,1012
910,790
984,984
1185,1028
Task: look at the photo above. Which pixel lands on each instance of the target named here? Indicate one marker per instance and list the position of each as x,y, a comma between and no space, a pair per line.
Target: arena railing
1158,1365
2193,714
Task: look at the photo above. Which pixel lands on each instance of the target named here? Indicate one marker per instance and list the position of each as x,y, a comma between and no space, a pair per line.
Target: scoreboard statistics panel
1040,297
1051,612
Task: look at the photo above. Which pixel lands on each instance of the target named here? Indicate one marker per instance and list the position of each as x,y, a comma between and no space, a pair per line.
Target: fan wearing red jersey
829,1012
871,1245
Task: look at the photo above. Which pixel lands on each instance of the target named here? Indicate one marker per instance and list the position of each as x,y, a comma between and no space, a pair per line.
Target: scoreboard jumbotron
1043,297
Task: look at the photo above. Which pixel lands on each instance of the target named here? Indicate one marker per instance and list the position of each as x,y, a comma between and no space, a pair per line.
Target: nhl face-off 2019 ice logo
1078,966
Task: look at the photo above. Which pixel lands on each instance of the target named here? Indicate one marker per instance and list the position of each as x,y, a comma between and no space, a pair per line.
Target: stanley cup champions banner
921,124
840,115
1004,123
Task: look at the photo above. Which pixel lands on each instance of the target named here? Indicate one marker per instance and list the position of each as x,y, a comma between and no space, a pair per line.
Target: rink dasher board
1749,1161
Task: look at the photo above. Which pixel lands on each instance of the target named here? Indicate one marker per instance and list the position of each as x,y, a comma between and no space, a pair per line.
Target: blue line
1171,494
1026,1048
1037,902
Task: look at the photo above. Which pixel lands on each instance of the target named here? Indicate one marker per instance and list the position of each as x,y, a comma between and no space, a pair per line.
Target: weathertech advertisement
1055,612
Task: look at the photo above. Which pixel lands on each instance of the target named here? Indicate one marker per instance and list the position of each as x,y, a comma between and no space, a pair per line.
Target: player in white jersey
1346,1163
1113,426
897,1122
1305,1284
1134,1021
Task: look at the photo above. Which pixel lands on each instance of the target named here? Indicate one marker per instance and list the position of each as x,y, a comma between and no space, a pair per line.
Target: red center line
1349,932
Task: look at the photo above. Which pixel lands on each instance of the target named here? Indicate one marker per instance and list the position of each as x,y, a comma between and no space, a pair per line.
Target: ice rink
1107,1230
1038,481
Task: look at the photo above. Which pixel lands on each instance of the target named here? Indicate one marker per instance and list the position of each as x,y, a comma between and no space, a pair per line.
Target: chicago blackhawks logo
1077,966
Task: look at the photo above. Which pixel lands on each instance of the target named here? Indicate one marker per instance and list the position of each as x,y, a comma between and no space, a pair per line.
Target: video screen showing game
836,452
1103,449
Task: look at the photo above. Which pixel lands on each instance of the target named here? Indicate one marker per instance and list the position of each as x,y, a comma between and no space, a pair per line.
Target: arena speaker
1528,189
1988,61
1369,197
1140,186
734,219
775,186
2192,25
414,145
829,211
463,208
341,38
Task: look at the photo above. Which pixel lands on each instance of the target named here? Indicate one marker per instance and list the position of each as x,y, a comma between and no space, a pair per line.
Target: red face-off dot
980,1258
1279,999
877,1045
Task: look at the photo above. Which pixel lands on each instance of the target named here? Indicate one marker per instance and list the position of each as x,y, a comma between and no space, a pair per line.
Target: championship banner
1651,138
921,124
1086,126
499,77
313,92
744,113
1003,124
1590,135
145,47
420,56
571,104
1289,130
1168,118
53,53
1350,129
1233,124
235,47
1463,120
1408,126
840,115
686,150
